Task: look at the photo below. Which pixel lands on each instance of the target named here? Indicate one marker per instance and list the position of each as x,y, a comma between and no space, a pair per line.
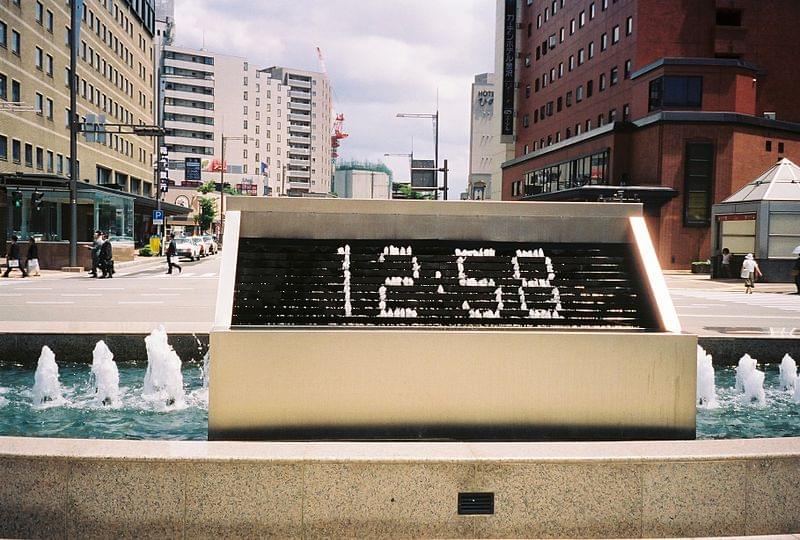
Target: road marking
176,288
709,316
159,294
50,303
79,295
8,295
106,288
210,274
38,289
139,302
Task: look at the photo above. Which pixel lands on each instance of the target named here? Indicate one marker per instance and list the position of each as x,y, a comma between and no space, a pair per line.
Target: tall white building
484,142
306,164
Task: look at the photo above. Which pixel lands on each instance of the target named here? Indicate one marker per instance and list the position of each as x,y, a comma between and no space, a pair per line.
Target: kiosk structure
387,320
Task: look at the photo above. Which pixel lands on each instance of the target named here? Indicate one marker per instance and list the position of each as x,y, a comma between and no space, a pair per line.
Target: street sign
423,174
158,217
192,168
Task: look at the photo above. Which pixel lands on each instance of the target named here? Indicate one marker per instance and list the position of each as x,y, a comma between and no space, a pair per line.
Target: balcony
190,111
299,117
193,96
292,174
299,140
188,141
299,95
194,81
191,66
299,163
299,150
295,83
189,126
296,128
299,106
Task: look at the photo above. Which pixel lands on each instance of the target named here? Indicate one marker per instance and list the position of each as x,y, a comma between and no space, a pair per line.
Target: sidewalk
677,279
138,263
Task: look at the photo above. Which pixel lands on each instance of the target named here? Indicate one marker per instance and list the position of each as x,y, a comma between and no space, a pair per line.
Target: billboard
509,65
423,174
192,168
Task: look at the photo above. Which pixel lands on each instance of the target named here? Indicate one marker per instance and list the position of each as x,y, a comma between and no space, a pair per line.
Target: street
141,296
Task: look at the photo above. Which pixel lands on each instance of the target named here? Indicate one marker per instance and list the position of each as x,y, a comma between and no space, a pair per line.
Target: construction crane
337,129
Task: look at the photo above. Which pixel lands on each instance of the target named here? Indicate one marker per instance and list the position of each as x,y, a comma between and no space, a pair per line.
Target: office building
362,180
115,79
484,141
676,104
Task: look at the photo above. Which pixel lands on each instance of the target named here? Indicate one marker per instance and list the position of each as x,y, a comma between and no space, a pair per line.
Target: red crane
337,130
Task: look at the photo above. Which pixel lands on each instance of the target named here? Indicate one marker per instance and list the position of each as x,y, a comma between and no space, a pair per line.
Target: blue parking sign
158,217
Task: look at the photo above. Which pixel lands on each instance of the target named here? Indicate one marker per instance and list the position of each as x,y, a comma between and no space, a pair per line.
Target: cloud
382,57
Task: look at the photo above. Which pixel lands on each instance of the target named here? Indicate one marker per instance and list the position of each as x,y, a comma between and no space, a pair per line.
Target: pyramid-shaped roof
780,183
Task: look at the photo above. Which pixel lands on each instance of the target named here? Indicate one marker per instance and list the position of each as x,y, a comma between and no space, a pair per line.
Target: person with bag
106,258
12,261
172,253
32,258
97,243
796,274
750,272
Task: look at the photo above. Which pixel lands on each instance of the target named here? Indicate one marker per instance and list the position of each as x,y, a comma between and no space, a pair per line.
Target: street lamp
435,118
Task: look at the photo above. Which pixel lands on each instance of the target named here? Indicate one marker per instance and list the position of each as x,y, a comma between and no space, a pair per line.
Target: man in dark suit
106,259
13,259
172,253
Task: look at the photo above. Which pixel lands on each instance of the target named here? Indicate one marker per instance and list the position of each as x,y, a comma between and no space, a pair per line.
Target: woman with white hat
750,272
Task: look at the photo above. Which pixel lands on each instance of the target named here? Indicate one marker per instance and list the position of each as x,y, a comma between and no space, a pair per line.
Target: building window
629,26
16,151
571,62
614,76
676,91
39,158
604,5
603,41
39,104
581,58
626,112
28,155
560,69
3,87
39,12
525,121
3,34
615,35
591,50
551,41
612,115
581,19
528,60
698,183
16,42
561,35
768,146
600,120
628,66
569,99
49,21
588,125
602,83
3,148
589,88
49,65
559,104
539,21
49,161
49,109
39,58
579,94
780,148
729,17
591,11
572,27
590,169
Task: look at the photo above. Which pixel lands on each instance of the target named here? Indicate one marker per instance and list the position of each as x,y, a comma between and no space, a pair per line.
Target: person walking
95,247
726,263
106,258
750,272
32,258
12,261
172,253
796,274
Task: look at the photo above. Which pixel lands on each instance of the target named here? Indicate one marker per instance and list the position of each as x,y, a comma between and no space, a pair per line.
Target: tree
208,212
211,186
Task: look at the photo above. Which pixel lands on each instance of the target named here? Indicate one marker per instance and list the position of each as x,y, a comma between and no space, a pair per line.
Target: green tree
208,212
211,186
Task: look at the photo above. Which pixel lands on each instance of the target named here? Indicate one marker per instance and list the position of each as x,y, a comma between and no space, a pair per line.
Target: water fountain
105,375
46,387
480,325
750,381
163,381
788,372
706,387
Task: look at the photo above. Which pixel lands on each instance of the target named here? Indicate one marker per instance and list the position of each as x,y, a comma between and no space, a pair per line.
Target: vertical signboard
192,168
509,64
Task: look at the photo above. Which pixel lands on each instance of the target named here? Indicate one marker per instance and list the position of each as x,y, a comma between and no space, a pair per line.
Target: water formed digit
547,282
465,281
402,312
348,306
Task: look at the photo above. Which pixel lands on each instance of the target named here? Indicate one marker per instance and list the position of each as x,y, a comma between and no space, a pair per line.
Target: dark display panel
437,283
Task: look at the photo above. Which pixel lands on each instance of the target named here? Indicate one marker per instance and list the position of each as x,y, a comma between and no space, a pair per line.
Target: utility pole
222,190
74,39
445,170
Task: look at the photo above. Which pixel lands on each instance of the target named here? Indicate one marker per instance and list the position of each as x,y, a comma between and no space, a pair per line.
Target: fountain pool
135,415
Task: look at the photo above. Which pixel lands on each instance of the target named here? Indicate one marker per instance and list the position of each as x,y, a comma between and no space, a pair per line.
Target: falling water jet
788,375
750,381
163,380
105,375
46,387
706,389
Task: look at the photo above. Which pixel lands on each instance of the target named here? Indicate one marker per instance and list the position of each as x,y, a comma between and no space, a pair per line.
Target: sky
383,57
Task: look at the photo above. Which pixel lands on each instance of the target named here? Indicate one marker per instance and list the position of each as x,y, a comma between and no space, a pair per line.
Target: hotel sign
509,64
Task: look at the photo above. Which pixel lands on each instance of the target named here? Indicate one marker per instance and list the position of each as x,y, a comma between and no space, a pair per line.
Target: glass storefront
97,210
583,171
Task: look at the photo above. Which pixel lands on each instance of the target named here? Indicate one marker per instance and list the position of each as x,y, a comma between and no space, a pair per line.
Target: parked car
188,249
211,244
201,246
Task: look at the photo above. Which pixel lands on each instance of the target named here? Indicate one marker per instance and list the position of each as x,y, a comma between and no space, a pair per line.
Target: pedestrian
796,274
12,260
172,253
106,258
726,263
32,258
97,243
750,272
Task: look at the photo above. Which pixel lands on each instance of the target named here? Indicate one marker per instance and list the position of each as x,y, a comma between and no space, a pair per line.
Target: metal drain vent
475,504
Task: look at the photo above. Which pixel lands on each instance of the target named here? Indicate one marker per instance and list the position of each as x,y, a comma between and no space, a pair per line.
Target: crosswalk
783,302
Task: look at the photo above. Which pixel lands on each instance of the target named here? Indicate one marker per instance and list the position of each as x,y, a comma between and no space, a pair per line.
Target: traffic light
36,200
16,198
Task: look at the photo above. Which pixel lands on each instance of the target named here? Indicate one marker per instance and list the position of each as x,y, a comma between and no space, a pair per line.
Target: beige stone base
308,384
111,489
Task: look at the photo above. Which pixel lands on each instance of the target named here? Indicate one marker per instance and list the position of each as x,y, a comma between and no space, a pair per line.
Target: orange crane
337,130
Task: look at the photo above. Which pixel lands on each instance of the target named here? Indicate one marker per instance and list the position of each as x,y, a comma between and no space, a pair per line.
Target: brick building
676,103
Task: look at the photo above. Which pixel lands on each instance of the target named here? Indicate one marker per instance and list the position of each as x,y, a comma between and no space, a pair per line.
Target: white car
188,249
210,243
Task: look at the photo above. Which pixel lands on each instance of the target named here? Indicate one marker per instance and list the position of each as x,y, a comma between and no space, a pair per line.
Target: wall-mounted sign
509,65
485,102
192,166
